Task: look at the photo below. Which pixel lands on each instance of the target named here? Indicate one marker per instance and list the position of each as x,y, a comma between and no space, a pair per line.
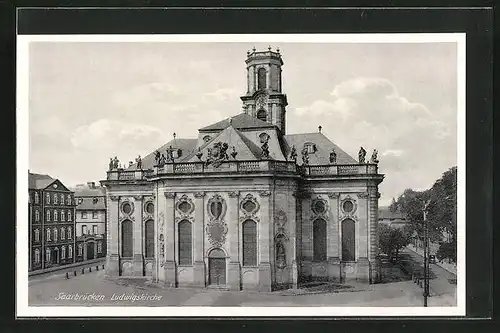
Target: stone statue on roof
157,157
293,154
115,163
333,156
139,162
111,163
234,153
374,158
361,155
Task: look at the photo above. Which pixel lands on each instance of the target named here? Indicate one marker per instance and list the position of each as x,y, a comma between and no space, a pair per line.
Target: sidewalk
449,267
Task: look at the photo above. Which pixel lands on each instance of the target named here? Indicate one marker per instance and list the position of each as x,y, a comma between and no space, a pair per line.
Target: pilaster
234,268
264,242
170,266
138,259
307,236
113,257
199,246
333,238
373,196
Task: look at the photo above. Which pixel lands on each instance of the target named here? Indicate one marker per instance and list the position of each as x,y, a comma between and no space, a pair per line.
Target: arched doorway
217,267
55,257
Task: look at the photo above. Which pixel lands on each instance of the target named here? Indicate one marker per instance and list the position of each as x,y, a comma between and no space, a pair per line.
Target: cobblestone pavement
104,292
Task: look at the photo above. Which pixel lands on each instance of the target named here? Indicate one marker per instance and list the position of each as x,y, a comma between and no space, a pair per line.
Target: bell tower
264,99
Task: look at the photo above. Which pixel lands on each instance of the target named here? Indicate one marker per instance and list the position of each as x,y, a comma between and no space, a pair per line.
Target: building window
63,251
249,243
84,215
95,200
63,234
80,200
56,216
37,215
207,138
69,217
80,249
68,200
127,238
99,247
319,240
348,206
37,256
69,232
48,215
127,208
70,251
55,234
348,240
48,235
37,199
55,199
47,199
62,216
262,115
150,208
37,235
261,78
62,199
150,238
310,147
185,246
94,215
94,230
84,229
47,255
319,206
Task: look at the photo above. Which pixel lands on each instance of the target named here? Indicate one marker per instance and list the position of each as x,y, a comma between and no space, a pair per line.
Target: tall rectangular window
127,239
84,215
150,238
319,240
84,229
249,243
348,240
94,215
94,230
185,243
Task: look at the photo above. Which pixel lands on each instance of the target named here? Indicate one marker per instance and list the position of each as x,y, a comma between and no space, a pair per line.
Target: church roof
186,145
241,121
245,148
323,148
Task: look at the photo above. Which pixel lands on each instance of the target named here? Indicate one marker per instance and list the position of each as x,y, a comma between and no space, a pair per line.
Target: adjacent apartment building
51,212
90,221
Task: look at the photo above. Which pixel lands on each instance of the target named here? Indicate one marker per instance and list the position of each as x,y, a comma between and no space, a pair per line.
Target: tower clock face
261,101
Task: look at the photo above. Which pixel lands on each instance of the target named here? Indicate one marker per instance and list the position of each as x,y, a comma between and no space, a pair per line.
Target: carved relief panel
126,210
280,239
184,207
348,207
319,208
249,206
216,227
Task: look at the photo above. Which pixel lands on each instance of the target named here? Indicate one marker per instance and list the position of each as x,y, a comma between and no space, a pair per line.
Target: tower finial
269,48
319,128
175,135
253,49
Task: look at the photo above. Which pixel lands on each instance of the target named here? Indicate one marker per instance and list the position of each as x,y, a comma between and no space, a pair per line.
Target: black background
477,23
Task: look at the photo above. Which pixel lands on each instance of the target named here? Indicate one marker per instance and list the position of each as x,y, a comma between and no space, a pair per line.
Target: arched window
62,199
63,234
185,243
70,251
36,202
319,240
99,247
62,215
69,217
150,238
48,215
63,251
348,240
262,115
48,235
55,234
68,200
249,243
127,238
47,255
80,249
37,256
55,199
56,215
37,235
69,232
262,78
47,199
37,215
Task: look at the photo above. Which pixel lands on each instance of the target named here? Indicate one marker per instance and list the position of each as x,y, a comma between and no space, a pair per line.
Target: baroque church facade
245,205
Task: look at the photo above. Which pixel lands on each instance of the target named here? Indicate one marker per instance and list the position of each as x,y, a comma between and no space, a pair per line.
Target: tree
391,240
393,207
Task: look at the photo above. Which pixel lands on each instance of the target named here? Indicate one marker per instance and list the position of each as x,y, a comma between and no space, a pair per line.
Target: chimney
91,184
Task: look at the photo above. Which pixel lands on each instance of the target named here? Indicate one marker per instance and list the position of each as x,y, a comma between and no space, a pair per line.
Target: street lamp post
426,254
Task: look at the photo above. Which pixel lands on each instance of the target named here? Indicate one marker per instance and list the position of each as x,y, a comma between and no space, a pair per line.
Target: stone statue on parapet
305,156
293,154
362,155
139,162
333,156
234,153
115,163
111,163
157,157
374,158
265,150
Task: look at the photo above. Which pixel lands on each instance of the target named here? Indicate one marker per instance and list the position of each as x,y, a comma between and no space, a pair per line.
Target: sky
90,101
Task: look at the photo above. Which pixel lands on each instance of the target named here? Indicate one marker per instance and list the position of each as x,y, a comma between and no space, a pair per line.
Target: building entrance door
90,250
217,267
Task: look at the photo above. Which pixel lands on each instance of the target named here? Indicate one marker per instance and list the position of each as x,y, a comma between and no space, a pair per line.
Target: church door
217,268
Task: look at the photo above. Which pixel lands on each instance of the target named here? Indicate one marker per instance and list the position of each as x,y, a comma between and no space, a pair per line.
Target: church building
245,205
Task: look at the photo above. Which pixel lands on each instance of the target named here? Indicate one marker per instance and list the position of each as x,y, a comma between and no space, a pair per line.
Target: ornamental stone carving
161,238
280,239
216,227
137,197
319,208
199,195
265,193
363,195
334,195
249,206
216,207
234,194
169,195
348,207
184,206
114,197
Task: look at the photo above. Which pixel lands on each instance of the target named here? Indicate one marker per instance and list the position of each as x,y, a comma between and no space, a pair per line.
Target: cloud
137,96
221,95
370,112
